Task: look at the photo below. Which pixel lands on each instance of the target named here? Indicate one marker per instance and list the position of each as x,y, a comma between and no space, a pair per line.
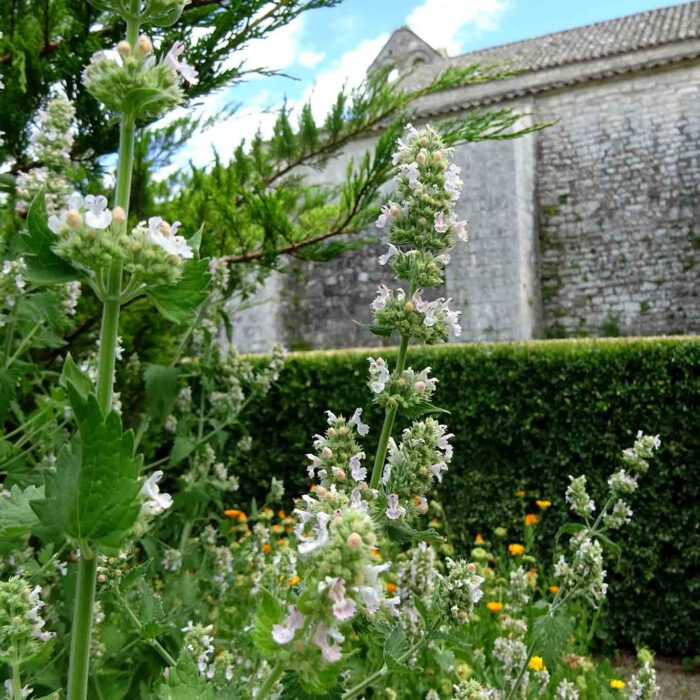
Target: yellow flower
520,493
294,580
517,550
536,663
617,684
494,606
543,504
554,589
531,519
479,539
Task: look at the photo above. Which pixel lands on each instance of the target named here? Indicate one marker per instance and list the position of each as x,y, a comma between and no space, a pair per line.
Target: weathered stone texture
619,215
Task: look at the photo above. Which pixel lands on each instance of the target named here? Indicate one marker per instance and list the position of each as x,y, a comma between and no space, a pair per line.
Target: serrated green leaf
134,576
182,448
395,645
72,374
16,515
550,637
195,240
177,302
161,390
293,689
93,493
613,548
43,265
185,683
270,612
569,529
8,381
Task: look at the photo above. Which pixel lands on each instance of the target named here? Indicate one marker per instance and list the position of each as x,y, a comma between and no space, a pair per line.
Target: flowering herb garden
111,587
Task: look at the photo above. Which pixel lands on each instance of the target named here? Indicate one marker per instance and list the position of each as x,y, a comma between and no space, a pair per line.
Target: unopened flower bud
419,387
343,430
422,221
332,432
326,452
74,219
409,306
330,496
101,578
118,215
339,474
420,158
423,141
394,211
471,567
364,486
124,48
370,538
144,45
91,233
437,156
321,491
425,197
354,541
135,246
422,508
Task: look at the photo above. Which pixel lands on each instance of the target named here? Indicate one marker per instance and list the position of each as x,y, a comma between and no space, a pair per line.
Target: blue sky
325,48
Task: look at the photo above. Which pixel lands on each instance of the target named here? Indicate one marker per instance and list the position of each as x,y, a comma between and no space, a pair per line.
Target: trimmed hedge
525,416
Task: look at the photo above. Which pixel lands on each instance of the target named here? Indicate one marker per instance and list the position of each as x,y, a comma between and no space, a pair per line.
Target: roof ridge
581,28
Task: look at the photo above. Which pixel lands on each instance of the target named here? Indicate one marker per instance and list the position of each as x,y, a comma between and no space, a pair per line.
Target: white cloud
349,70
310,59
440,22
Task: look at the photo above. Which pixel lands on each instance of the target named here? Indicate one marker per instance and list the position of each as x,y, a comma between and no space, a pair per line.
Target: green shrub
525,416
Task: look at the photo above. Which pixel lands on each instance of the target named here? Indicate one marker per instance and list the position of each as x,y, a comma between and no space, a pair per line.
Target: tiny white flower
160,233
394,510
440,224
358,472
343,607
362,428
389,255
155,502
284,633
184,69
96,213
383,294
322,639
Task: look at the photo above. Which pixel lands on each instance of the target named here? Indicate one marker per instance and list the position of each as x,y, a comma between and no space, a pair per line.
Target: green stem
271,681
87,570
25,341
16,683
82,627
27,423
389,418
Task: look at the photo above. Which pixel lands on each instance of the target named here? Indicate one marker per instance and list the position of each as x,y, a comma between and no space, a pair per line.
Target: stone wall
589,227
618,179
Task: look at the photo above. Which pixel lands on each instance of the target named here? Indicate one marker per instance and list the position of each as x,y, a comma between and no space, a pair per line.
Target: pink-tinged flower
389,255
383,294
322,639
453,183
440,224
343,607
172,59
379,373
389,212
459,228
358,472
284,633
394,510
413,174
320,538
356,420
437,470
357,502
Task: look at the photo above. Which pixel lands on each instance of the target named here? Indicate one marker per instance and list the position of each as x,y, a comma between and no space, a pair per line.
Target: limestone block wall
618,180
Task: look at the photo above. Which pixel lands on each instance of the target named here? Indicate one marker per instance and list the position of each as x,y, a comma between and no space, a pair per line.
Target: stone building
588,227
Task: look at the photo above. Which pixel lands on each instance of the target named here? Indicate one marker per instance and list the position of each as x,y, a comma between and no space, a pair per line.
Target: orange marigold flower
479,539
520,493
276,528
236,514
390,587
375,552
294,580
536,663
266,510
531,519
554,589
617,684
266,548
517,550
494,606
281,514
543,504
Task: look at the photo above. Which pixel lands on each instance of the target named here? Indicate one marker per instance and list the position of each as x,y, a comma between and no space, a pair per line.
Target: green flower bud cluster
128,80
644,447
461,589
21,625
422,455
471,690
428,322
411,391
338,458
423,267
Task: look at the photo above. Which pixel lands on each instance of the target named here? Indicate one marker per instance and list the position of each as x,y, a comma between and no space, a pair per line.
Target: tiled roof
639,31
